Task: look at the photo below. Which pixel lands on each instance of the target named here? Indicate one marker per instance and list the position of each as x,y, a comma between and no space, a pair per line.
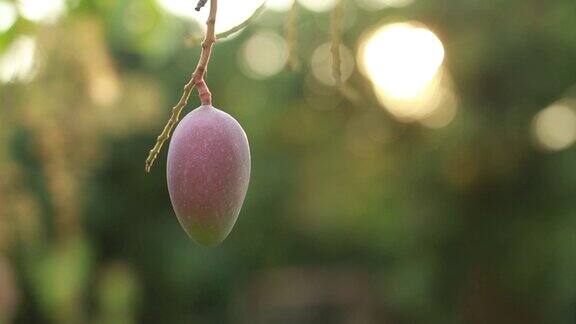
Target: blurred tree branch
292,37
335,29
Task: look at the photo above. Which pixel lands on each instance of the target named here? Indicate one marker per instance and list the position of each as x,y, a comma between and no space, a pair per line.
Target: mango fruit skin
208,171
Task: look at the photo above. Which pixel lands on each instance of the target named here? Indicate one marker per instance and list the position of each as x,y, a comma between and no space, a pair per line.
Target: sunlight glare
8,15
18,61
403,61
42,11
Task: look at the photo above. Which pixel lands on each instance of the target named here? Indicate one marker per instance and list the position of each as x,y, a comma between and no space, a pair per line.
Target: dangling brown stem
196,80
336,29
292,37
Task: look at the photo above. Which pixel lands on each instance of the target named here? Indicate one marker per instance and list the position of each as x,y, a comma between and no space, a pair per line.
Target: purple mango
208,171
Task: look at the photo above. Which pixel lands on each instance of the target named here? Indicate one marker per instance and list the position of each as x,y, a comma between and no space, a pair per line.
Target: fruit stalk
196,80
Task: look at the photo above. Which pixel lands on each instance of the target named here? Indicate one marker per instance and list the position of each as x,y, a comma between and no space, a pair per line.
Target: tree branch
196,80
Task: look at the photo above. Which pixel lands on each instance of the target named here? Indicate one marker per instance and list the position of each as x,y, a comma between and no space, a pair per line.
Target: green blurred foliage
351,216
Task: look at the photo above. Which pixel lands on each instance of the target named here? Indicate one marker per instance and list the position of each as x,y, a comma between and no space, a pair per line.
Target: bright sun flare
404,63
402,59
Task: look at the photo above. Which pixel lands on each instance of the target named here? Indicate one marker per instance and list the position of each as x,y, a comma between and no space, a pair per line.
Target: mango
208,172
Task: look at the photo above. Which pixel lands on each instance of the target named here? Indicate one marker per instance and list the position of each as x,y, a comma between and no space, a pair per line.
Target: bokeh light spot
555,127
18,61
42,11
279,5
445,112
8,15
264,55
381,4
318,5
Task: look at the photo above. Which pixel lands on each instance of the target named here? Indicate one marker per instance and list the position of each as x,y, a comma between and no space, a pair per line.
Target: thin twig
192,40
196,80
292,37
336,29
201,3
245,23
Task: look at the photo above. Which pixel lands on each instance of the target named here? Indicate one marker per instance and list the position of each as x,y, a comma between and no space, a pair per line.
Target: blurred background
436,185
